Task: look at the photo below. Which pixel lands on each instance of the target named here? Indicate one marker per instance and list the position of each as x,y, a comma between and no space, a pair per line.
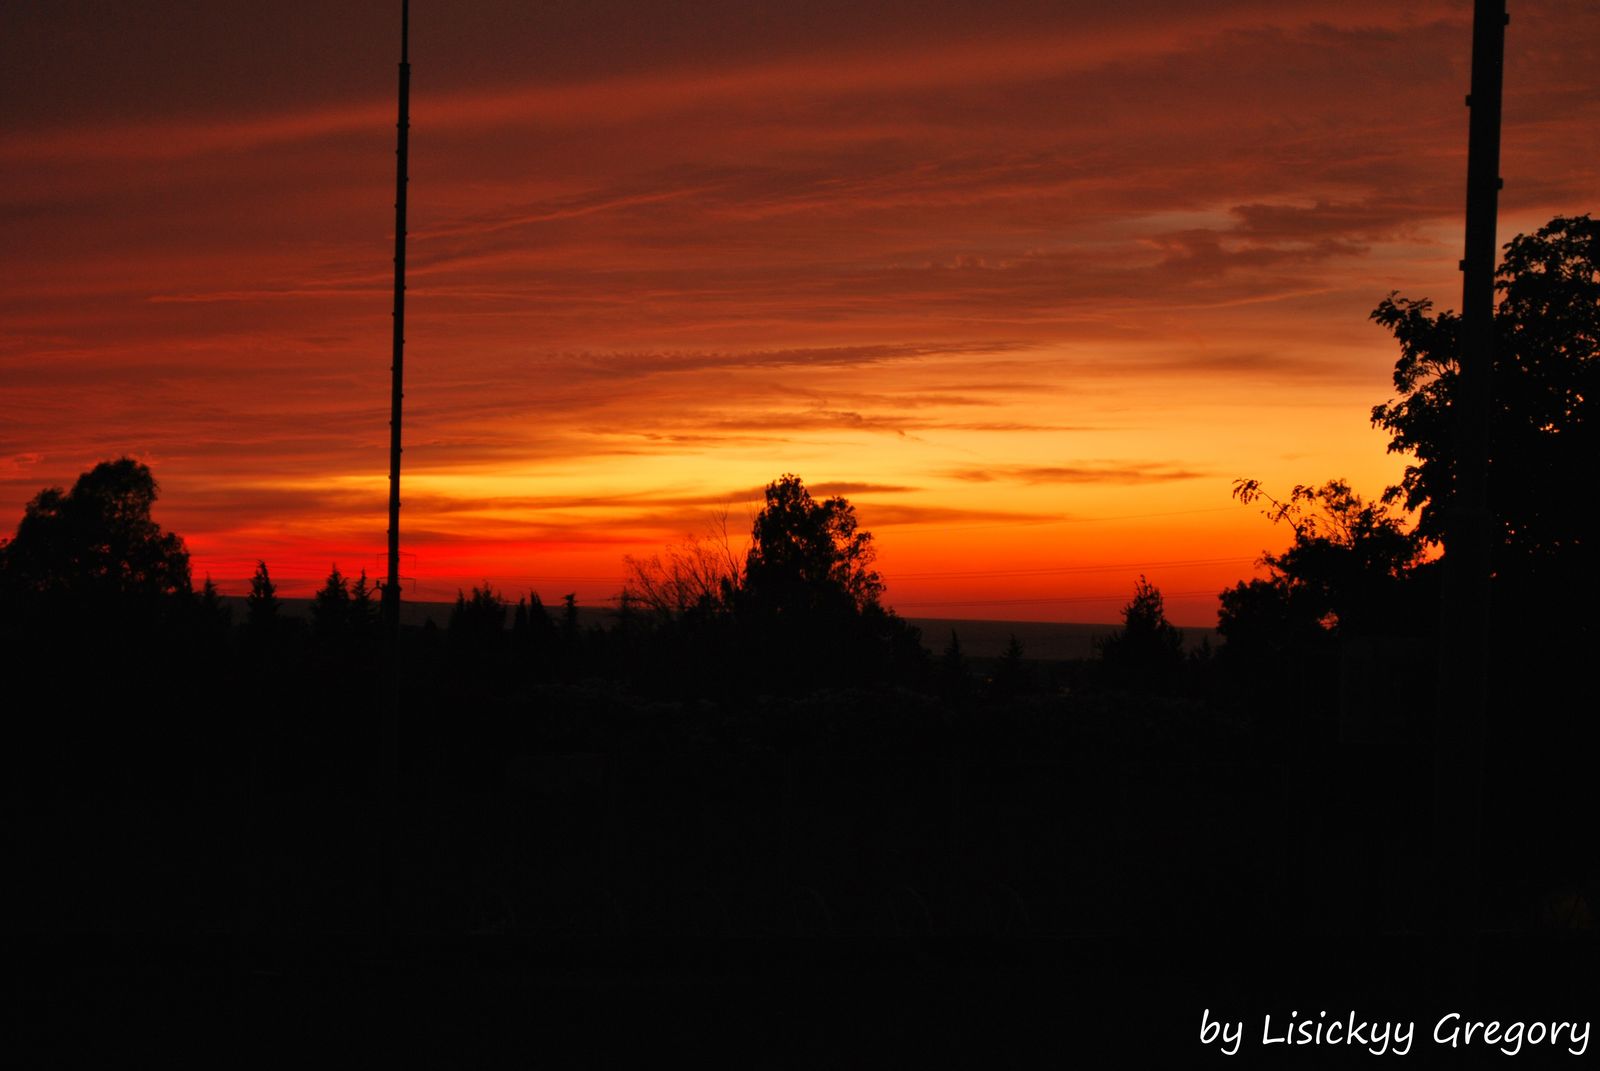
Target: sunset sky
1031,283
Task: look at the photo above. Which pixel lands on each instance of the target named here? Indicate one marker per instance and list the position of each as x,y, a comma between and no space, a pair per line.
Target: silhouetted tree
807,555
211,622
330,608
96,541
477,622
808,612
1147,652
262,602
1546,383
1347,571
212,609
536,641
699,574
1256,616
364,609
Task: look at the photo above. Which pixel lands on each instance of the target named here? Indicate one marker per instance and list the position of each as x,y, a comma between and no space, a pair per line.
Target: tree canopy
809,555
1342,573
97,540
1545,382
1356,565
1147,651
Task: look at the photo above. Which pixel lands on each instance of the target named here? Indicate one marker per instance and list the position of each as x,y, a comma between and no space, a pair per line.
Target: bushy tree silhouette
808,613
699,575
1546,384
1147,652
477,621
534,634
96,541
1348,570
809,556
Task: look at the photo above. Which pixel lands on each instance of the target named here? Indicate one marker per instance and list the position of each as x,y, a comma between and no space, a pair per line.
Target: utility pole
1464,635
391,587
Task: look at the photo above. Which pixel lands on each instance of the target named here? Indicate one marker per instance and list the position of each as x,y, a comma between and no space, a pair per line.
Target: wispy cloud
1096,472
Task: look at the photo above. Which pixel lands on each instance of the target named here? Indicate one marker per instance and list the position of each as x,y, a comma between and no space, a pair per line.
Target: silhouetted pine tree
538,645
330,609
213,612
1146,654
477,623
262,602
365,616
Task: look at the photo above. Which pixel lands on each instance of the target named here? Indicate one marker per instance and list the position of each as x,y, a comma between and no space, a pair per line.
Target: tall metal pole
391,587
1464,636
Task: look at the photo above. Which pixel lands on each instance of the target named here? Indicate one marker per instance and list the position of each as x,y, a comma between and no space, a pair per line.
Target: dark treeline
761,739
760,745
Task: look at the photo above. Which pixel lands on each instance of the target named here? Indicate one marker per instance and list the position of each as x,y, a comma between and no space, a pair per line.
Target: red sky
1030,283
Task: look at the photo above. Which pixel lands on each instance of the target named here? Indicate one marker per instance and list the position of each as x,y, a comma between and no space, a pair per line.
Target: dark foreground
226,846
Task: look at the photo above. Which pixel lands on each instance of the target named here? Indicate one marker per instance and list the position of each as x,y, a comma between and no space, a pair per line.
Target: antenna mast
391,587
